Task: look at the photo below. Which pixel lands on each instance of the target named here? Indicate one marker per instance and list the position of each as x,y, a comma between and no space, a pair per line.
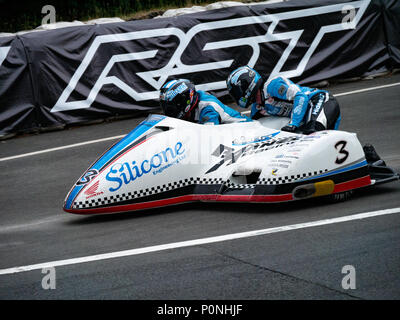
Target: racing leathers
212,111
308,108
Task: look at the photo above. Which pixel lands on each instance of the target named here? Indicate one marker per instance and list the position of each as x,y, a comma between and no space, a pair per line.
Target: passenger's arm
209,116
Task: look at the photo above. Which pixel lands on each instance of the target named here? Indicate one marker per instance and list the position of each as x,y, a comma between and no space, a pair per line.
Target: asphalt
297,264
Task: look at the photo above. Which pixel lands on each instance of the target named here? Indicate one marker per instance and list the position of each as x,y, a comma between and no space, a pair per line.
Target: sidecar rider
309,109
180,99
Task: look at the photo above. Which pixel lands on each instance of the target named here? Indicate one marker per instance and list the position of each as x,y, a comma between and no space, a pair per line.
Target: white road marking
367,89
60,148
196,242
355,91
34,224
118,137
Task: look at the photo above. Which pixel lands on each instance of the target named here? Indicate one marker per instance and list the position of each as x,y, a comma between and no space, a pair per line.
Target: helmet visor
172,110
237,94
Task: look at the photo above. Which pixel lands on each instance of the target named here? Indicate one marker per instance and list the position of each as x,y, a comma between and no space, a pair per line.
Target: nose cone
84,198
71,202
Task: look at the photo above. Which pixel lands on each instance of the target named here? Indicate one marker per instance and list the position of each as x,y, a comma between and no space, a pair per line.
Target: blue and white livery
167,161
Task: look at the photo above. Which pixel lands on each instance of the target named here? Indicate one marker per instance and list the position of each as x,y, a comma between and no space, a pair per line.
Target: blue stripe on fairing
354,166
127,140
144,126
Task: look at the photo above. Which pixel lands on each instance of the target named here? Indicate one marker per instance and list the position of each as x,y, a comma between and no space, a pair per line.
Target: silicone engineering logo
175,66
124,173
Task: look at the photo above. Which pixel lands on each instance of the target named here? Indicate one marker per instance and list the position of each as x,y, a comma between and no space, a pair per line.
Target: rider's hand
289,128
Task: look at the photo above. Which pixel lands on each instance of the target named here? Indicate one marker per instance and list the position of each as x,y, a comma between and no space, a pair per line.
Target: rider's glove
289,128
309,131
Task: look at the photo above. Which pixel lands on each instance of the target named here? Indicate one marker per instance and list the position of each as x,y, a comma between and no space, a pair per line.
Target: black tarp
391,19
79,74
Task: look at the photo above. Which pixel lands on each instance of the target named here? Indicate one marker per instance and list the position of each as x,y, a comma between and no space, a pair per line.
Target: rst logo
3,54
207,50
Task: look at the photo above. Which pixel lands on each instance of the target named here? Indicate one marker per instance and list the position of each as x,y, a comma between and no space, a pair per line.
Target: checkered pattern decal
289,179
233,185
146,192
187,182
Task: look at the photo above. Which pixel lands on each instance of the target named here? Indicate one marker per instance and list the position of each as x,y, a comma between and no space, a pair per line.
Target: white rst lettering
176,67
3,53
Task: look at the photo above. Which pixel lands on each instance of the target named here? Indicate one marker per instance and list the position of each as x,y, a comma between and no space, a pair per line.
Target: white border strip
367,89
60,148
196,242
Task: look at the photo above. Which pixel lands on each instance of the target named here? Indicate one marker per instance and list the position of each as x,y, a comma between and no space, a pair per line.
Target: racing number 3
345,154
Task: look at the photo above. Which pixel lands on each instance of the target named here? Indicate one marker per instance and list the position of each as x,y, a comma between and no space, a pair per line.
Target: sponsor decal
92,190
230,155
311,137
279,163
174,66
317,108
242,102
124,173
280,156
299,107
171,94
242,141
281,90
87,177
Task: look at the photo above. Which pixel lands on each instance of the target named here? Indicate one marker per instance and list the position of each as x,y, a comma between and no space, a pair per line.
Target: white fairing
175,153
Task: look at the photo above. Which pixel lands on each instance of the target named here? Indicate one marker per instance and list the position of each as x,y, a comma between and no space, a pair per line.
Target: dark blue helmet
178,98
243,84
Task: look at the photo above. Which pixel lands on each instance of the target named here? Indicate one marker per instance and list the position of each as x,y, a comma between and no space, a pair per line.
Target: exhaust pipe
316,189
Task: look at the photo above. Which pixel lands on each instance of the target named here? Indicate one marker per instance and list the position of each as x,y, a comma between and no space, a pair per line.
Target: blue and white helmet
243,84
178,98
